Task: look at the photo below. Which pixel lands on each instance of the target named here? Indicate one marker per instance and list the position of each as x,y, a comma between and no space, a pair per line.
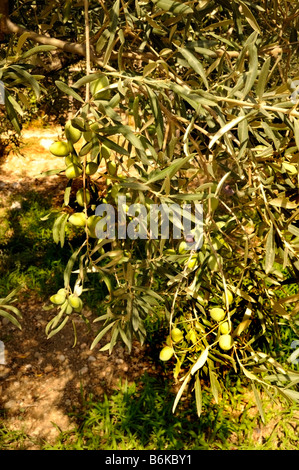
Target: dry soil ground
42,380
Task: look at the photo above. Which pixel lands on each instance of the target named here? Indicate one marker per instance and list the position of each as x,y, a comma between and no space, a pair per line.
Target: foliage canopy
196,103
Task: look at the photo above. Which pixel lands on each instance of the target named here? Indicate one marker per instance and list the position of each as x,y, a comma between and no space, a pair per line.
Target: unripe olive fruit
69,160
60,149
212,262
224,328
75,302
91,224
112,169
97,85
182,248
192,336
166,353
226,342
72,134
170,251
192,262
115,190
230,297
214,203
91,168
62,292
151,129
80,197
73,171
57,299
78,219
87,136
105,152
69,309
218,314
177,335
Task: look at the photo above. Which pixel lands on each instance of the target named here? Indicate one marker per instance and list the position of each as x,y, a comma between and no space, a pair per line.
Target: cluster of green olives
68,302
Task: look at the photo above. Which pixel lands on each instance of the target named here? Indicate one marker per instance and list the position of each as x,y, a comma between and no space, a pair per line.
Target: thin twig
87,44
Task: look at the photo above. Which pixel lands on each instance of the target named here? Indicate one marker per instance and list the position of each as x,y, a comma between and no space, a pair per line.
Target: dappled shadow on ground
43,379
140,417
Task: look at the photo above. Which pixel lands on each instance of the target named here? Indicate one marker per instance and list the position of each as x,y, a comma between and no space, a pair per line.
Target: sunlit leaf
223,130
195,64
38,49
11,318
263,78
198,396
200,361
177,8
100,335
249,16
270,250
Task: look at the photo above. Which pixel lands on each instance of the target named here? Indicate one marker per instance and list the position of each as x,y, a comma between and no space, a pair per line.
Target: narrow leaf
37,49
258,401
101,334
68,91
270,250
13,309
12,115
171,170
177,8
69,267
200,361
62,230
195,64
249,16
59,328
114,16
126,131
283,202
21,41
157,114
114,146
11,318
180,392
56,228
252,70
198,396
225,129
28,78
263,78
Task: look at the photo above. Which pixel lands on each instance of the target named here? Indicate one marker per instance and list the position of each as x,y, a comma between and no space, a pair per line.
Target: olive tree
179,103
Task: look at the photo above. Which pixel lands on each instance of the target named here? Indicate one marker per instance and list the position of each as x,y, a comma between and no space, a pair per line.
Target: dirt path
42,380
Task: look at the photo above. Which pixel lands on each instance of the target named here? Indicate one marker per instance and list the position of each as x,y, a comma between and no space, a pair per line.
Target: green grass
29,256
139,417
12,440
